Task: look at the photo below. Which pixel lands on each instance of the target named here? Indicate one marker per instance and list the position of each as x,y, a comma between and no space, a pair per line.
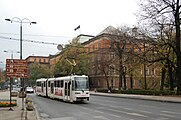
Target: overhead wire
28,40
40,35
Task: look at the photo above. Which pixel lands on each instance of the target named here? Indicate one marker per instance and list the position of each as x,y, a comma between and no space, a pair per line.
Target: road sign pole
10,88
23,92
17,68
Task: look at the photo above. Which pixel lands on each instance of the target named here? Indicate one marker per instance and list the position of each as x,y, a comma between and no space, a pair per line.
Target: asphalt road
107,108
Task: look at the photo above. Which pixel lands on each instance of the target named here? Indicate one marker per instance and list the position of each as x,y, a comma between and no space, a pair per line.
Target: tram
69,88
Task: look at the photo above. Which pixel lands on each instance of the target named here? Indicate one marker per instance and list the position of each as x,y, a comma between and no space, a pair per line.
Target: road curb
149,98
36,112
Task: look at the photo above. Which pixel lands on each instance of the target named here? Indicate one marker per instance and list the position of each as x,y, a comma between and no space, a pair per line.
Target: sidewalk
17,113
172,99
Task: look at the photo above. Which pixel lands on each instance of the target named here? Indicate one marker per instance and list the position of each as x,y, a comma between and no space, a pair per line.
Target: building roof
37,57
109,30
83,38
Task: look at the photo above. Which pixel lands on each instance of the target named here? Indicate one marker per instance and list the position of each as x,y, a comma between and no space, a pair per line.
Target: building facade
118,62
38,59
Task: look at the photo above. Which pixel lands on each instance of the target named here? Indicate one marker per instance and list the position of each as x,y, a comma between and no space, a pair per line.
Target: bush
101,90
149,92
6,103
140,92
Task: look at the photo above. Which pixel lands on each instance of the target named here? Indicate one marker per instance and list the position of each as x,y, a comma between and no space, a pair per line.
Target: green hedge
139,92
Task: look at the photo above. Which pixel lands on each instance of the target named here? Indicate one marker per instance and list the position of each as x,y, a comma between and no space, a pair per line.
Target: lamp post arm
21,41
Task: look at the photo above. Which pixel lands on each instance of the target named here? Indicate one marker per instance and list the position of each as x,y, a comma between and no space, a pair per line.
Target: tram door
67,90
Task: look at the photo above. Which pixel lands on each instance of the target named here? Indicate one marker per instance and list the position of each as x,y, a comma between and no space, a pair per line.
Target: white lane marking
128,108
84,108
143,111
162,118
117,111
166,115
101,117
98,111
136,114
148,106
133,114
62,118
171,112
114,115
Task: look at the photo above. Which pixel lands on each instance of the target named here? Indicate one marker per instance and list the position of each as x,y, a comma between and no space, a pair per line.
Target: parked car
29,90
14,91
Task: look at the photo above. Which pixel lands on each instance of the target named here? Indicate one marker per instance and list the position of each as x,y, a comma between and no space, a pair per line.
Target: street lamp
21,21
11,77
12,52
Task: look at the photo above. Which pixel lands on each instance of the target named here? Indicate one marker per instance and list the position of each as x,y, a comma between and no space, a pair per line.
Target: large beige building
112,55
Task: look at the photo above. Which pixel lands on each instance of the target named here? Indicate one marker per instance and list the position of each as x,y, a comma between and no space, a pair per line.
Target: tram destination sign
16,68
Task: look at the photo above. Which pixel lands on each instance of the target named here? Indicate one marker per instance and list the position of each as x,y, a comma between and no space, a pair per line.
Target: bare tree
154,11
101,63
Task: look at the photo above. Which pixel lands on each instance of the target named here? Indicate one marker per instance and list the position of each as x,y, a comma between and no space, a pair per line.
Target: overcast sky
56,20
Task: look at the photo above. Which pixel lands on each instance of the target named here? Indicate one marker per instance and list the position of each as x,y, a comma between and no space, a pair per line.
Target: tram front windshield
81,83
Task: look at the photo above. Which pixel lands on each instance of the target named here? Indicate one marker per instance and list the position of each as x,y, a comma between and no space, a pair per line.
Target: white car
29,90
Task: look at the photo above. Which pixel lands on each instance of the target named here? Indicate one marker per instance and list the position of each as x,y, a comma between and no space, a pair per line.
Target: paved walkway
173,99
17,113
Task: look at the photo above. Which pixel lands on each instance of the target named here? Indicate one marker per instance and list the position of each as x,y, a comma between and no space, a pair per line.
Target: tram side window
61,83
44,84
58,83
52,90
38,83
48,83
55,85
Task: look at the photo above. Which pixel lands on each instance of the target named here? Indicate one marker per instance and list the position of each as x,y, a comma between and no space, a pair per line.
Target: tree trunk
108,86
178,53
170,77
120,77
131,81
163,78
124,76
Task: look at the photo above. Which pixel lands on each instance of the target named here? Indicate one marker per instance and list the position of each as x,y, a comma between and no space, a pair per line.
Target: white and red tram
69,88
41,87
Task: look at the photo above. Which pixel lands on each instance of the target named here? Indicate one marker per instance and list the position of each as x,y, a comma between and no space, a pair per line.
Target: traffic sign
16,68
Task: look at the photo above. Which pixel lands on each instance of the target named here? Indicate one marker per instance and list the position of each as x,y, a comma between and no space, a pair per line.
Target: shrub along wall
140,92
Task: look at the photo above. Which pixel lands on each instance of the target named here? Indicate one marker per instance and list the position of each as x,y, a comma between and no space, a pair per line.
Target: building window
44,60
152,71
39,60
111,45
84,50
112,55
112,70
99,45
98,83
147,71
132,50
35,60
93,48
